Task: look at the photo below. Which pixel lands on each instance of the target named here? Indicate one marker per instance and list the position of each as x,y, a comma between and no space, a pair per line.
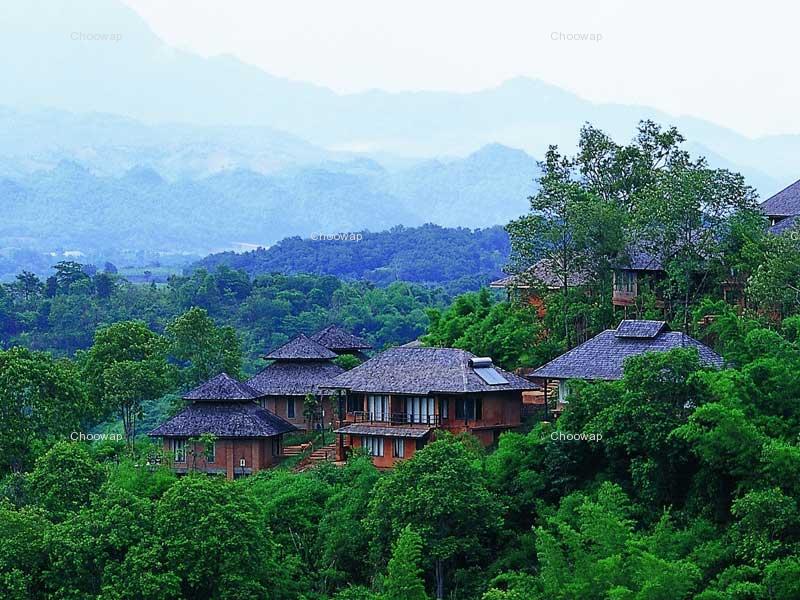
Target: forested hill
426,254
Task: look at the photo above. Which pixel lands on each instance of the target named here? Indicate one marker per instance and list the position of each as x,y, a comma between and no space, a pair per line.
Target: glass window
378,407
372,444
177,448
469,409
444,406
398,447
419,410
211,452
276,446
290,408
354,403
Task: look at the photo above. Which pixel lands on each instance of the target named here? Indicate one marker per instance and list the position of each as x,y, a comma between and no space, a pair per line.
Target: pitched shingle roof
301,348
403,432
224,420
639,259
337,339
785,224
785,203
543,271
294,378
222,388
603,356
423,371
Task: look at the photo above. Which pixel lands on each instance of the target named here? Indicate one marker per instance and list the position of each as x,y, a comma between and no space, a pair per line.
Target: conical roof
223,388
301,348
337,339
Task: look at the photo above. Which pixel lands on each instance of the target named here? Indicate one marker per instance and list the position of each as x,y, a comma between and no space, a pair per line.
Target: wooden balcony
404,419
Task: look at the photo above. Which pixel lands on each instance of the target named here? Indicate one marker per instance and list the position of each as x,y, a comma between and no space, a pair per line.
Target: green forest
685,486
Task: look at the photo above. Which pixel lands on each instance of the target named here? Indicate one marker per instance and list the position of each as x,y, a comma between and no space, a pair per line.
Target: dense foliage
675,482
62,313
430,254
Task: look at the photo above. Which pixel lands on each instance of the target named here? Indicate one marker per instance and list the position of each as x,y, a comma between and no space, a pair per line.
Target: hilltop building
247,437
393,404
783,208
602,358
298,368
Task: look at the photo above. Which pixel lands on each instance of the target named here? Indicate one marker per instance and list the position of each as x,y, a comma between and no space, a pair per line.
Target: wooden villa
543,275
783,209
393,404
246,437
602,358
298,368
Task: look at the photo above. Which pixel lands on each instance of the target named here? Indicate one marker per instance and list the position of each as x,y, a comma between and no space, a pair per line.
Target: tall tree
203,349
441,492
404,575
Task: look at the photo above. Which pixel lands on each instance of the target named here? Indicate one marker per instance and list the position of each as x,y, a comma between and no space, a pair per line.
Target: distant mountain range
132,146
142,77
70,207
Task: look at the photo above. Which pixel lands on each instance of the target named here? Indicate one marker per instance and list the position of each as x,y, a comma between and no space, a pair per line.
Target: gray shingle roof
423,371
785,203
337,339
640,259
603,356
222,388
785,224
543,271
294,378
639,329
301,348
224,420
403,432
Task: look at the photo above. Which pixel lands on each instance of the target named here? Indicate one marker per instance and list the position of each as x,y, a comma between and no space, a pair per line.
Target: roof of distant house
222,388
429,370
603,356
224,420
292,378
337,339
301,348
545,272
785,224
785,203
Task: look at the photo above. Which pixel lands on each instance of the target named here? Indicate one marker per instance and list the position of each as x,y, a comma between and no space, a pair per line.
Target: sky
733,63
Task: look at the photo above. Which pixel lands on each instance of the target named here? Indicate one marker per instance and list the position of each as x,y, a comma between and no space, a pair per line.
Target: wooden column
229,459
256,448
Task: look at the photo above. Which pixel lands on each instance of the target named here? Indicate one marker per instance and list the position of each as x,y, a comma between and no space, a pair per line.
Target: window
210,452
378,408
290,408
177,448
419,410
444,405
398,447
354,403
276,446
469,409
372,444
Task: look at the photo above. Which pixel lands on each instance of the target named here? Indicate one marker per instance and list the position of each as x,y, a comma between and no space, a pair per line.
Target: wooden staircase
321,454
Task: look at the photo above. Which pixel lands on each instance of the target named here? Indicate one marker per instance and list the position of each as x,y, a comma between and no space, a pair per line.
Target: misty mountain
140,76
69,206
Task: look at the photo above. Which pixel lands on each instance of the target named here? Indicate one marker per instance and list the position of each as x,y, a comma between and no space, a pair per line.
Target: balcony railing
361,416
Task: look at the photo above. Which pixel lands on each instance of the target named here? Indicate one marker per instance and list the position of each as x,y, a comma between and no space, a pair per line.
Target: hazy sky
734,62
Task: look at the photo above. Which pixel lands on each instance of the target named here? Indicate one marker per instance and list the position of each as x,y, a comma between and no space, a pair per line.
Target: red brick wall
257,454
386,461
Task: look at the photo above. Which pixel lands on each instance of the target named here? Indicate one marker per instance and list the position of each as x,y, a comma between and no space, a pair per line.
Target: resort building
602,358
239,436
298,368
783,208
393,404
